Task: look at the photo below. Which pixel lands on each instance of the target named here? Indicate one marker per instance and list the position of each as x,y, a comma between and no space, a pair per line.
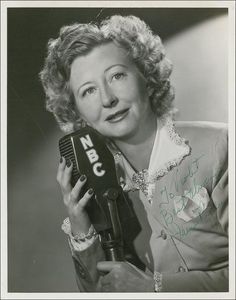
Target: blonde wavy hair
144,48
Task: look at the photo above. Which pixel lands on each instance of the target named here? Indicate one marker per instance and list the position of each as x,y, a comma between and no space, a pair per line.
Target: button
79,268
163,234
81,271
182,269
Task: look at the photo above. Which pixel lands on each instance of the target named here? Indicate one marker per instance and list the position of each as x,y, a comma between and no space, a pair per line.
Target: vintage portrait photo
117,149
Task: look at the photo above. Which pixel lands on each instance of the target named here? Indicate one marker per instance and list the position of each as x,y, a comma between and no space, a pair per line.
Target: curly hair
144,48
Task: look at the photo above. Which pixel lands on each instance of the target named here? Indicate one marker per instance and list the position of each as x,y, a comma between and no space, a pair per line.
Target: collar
168,151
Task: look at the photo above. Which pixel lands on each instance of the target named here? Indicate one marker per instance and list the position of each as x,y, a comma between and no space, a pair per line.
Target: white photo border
231,113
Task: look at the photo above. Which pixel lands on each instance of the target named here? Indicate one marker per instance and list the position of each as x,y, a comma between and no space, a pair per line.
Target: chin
118,130
121,133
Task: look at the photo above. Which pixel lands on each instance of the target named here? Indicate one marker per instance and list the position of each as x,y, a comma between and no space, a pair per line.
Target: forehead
98,59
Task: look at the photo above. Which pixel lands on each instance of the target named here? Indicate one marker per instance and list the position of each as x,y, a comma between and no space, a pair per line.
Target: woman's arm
124,277
85,262
196,281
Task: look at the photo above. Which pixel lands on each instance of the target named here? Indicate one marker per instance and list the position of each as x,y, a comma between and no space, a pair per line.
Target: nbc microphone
90,155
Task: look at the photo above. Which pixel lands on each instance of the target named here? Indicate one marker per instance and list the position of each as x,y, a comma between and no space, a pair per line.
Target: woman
115,78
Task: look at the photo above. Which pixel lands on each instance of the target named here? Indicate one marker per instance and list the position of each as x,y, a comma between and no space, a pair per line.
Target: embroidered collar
168,151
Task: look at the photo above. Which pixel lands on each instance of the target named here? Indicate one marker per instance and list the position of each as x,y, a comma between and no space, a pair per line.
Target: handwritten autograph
168,214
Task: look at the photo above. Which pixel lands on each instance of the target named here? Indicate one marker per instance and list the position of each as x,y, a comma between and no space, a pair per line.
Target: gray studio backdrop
196,41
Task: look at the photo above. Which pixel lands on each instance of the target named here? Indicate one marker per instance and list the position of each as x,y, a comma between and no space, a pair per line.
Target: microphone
90,155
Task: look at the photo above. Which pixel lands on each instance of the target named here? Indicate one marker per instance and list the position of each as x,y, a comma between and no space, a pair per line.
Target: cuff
157,277
79,241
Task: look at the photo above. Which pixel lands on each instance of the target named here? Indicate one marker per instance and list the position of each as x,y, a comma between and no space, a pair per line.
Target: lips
118,116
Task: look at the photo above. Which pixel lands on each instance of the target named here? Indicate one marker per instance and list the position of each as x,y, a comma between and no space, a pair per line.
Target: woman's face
110,92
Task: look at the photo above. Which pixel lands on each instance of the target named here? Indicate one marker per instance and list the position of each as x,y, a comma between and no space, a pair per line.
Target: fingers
77,189
71,195
107,266
64,175
110,282
85,199
60,169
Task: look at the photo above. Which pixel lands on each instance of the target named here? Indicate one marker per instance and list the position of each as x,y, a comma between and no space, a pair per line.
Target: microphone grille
68,152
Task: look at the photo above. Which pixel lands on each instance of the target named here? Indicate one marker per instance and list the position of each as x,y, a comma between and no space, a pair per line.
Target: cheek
90,112
138,95
139,89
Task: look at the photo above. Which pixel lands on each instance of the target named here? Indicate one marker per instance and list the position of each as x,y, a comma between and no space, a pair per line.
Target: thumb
107,266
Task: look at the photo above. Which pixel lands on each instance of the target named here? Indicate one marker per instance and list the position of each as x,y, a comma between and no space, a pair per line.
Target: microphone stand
111,239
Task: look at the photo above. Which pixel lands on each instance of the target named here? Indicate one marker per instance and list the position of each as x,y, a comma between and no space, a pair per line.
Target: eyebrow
112,66
107,69
87,82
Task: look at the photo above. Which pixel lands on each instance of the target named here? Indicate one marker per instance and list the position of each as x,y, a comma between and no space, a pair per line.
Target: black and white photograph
117,149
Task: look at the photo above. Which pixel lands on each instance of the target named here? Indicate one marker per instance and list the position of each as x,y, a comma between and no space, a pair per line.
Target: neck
137,148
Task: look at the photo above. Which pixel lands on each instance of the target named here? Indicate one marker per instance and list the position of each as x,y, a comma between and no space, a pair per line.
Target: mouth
118,116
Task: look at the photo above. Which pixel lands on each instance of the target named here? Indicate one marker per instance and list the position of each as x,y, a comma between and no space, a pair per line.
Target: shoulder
203,131
210,138
199,126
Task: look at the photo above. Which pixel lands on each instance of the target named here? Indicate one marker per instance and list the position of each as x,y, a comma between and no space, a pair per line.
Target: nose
108,98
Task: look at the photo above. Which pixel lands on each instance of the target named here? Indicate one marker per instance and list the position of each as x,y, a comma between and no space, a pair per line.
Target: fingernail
82,177
90,191
61,159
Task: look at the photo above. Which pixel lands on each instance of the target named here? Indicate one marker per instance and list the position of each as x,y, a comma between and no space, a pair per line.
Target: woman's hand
123,277
78,216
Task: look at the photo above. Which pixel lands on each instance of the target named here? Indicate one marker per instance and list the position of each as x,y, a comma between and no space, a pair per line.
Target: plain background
39,258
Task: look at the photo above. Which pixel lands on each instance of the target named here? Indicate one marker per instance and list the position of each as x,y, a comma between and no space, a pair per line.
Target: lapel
168,151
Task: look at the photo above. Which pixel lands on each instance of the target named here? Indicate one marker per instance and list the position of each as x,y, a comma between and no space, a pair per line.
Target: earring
81,123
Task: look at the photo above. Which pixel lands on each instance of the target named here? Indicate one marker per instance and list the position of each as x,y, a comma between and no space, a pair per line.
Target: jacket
179,225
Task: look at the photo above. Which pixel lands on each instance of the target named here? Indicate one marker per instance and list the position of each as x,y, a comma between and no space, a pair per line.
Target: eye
118,76
89,91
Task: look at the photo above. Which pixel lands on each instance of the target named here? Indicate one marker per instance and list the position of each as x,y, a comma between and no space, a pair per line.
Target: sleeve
84,242
220,179
85,263
196,281
85,254
82,246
